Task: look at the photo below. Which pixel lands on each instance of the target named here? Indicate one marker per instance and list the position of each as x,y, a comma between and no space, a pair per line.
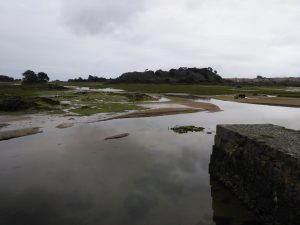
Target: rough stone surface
261,165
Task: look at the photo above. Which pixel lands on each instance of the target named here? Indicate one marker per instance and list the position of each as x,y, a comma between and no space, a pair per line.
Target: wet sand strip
157,112
276,101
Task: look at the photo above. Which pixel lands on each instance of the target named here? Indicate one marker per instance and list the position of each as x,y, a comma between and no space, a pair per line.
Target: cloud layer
66,38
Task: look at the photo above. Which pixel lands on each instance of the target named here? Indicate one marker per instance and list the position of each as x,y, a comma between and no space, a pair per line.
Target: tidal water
152,177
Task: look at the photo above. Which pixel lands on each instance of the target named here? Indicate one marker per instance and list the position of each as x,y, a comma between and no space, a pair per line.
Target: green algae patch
6,135
105,108
186,129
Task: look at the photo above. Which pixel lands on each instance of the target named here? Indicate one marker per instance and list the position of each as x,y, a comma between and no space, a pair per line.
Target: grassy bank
54,99
17,99
205,89
15,89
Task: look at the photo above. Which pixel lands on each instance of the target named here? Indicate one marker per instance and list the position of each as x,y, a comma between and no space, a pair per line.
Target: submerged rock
6,135
117,136
64,125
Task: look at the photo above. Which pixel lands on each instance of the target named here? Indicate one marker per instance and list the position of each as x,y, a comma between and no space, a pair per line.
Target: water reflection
154,176
87,180
227,209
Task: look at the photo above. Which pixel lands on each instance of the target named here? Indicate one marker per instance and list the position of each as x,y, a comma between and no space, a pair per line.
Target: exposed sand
190,107
156,112
262,100
205,106
6,135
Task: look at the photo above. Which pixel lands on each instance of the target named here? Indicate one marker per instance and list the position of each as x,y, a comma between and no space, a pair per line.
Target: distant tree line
264,81
89,79
183,75
4,78
30,77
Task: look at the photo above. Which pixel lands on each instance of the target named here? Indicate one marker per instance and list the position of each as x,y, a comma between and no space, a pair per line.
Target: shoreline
262,100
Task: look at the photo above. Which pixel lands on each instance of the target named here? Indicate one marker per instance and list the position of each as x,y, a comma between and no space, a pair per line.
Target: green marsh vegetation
58,98
203,89
16,99
89,103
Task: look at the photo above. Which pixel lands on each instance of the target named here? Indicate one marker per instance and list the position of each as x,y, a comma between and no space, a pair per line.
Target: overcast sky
68,38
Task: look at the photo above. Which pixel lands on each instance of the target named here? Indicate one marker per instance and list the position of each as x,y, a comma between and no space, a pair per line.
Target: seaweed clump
186,129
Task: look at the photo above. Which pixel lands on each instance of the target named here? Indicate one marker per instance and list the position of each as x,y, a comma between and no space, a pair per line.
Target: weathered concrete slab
261,165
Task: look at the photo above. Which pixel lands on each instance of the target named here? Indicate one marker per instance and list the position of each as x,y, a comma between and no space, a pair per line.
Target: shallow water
162,105
114,90
153,176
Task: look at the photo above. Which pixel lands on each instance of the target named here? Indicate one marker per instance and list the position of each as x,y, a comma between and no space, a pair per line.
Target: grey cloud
94,16
109,37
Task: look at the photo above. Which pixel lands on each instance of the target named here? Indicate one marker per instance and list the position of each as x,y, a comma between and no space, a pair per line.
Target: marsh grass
43,97
47,99
199,89
105,108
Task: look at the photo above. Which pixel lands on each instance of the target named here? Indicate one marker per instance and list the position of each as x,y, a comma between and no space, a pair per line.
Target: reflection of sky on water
154,176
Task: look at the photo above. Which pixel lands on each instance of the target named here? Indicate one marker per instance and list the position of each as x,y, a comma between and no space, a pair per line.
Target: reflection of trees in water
227,209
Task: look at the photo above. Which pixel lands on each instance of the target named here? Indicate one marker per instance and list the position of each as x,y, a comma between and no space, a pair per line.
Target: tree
29,77
259,77
42,77
5,78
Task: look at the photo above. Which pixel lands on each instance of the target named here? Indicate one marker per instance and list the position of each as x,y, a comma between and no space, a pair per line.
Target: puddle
107,90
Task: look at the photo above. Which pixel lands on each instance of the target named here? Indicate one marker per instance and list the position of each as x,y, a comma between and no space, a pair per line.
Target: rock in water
6,135
64,125
117,136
